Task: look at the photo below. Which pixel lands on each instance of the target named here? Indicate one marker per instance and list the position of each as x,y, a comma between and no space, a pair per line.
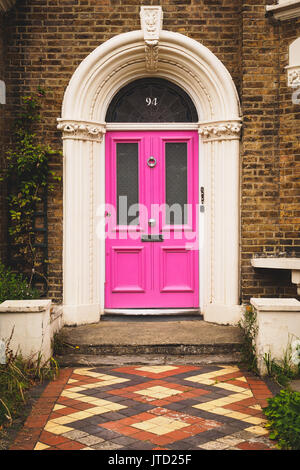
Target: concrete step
89,360
108,342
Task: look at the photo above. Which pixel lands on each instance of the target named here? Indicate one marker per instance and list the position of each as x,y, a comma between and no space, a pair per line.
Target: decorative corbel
293,69
151,25
81,130
227,130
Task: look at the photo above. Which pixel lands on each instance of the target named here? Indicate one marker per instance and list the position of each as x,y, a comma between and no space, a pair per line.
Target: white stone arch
200,73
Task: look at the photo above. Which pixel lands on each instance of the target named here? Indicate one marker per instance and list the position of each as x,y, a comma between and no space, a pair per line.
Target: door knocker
151,162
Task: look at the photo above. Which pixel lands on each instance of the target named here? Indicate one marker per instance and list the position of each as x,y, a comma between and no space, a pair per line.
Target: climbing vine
27,174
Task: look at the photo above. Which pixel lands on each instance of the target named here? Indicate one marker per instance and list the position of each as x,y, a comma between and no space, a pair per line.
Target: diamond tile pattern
149,407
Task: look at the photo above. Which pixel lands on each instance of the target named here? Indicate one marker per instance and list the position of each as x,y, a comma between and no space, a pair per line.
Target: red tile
52,439
252,446
144,436
71,445
162,440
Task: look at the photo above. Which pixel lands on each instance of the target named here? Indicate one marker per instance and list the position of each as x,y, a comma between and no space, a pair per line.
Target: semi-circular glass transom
151,100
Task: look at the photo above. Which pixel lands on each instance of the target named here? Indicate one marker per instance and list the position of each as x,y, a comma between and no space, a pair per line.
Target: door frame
193,195
108,68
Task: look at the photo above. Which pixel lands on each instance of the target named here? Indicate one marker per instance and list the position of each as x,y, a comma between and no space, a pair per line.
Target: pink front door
152,257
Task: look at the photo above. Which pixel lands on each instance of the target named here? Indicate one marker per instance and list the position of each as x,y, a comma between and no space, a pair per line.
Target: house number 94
151,101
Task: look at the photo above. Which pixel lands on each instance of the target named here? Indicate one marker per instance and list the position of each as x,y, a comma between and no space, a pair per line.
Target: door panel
176,270
124,279
152,258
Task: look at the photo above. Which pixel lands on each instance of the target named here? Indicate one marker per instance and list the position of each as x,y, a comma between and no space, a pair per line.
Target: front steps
151,341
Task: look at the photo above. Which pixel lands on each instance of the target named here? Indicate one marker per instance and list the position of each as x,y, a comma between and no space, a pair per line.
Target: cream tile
98,410
86,399
66,393
160,425
255,407
58,407
41,446
221,411
71,417
204,406
213,445
56,428
157,369
229,386
237,415
64,420
257,430
254,420
75,389
160,430
158,392
114,406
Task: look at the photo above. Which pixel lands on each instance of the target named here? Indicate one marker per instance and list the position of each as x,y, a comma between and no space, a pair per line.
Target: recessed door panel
152,257
176,270
124,279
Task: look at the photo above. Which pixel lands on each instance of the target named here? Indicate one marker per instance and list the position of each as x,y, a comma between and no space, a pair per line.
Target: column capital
220,130
81,130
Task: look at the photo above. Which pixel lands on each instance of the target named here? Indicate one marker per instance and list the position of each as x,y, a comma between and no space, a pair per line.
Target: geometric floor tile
172,407
161,426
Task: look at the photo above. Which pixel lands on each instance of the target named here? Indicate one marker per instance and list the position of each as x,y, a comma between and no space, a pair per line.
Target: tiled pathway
149,407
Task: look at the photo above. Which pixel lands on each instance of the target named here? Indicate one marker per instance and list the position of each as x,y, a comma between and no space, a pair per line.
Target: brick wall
46,40
3,112
269,186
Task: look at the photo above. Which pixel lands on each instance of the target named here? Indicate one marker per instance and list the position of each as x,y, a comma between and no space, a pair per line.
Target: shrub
283,413
14,286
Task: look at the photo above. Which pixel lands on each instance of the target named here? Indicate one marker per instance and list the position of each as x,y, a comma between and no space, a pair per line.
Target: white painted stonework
285,10
293,69
292,264
98,78
2,92
151,25
278,322
29,323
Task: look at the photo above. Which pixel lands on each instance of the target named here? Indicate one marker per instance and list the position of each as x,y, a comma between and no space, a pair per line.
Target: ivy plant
27,174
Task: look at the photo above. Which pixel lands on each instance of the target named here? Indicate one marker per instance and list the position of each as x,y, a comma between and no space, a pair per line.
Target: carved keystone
151,25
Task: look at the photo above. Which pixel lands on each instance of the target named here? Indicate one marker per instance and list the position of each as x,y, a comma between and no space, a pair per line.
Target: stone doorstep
95,360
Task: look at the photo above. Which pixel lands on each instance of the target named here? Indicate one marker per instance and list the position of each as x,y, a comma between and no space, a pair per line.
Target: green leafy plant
248,326
14,286
282,371
17,376
27,174
283,413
